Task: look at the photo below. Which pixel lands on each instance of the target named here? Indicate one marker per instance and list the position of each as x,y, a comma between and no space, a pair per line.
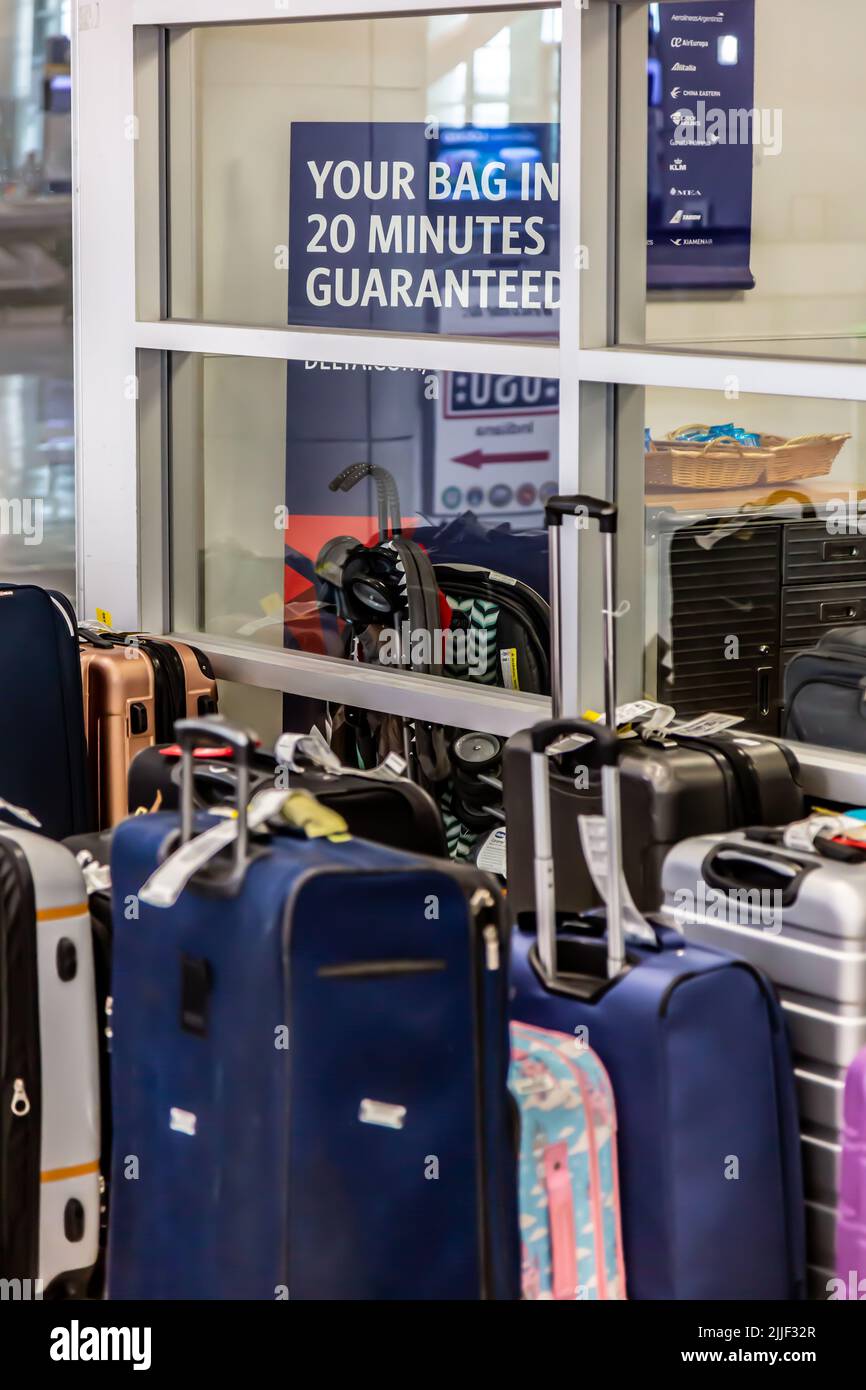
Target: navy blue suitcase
693,1040
373,1156
43,753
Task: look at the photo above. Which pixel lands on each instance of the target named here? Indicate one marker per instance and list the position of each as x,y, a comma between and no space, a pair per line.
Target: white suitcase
49,1136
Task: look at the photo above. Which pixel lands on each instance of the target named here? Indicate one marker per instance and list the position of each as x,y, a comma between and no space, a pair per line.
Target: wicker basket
725,462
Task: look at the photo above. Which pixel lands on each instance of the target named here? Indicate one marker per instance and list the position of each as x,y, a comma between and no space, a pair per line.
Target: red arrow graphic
477,457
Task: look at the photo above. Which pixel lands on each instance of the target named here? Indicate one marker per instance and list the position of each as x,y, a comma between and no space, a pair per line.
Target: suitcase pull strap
215,730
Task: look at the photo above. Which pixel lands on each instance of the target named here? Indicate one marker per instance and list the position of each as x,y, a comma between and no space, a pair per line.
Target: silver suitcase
799,917
49,1160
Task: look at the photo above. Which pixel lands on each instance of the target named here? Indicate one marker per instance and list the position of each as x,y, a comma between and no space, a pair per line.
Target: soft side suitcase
309,1064
824,691
135,687
851,1228
49,1136
43,755
693,1042
570,1224
379,805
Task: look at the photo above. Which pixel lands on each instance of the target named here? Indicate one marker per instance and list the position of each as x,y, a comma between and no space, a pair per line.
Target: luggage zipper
481,902
20,1103
491,947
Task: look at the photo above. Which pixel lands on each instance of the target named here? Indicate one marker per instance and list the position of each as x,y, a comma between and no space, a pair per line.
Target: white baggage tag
291,749
593,839
638,709
707,724
168,881
20,813
97,877
491,855
392,766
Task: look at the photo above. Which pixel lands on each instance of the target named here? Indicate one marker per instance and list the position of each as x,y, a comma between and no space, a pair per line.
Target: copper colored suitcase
135,687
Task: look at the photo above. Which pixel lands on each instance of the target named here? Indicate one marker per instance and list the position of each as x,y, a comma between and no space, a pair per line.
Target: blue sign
702,131
421,228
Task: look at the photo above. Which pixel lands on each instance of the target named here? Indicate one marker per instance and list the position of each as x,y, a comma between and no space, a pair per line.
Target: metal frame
119,73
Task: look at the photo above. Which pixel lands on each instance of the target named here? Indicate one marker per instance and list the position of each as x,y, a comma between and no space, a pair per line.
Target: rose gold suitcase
135,687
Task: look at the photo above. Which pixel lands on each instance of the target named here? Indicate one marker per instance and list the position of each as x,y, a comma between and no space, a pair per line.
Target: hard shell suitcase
851,1227
135,687
309,1063
570,1226
694,786
673,787
49,1136
801,918
43,755
693,1042
798,916
379,805
824,691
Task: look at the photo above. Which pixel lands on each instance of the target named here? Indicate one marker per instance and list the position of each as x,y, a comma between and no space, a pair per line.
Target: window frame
122,342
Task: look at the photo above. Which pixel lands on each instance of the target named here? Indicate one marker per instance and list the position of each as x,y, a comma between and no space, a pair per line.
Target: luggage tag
656,727
169,879
304,812
20,813
802,834
593,839
297,751
393,765
707,724
97,877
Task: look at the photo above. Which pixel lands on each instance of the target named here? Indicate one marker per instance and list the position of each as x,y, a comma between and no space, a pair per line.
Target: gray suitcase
809,936
820,1093
798,916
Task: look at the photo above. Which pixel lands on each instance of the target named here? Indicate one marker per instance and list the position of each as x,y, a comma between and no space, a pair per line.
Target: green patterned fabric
483,615
459,838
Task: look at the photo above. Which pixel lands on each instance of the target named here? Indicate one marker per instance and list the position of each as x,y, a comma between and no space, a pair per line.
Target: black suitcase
825,691
671,789
379,806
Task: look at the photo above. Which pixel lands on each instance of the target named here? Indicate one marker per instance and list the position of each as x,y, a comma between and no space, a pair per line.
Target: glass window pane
324,174
756,189
266,550
755,514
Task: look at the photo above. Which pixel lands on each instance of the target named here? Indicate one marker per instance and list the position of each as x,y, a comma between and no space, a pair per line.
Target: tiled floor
37,458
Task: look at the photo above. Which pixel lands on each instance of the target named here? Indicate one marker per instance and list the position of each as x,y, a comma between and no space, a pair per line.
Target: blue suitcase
693,1041
43,754
309,1071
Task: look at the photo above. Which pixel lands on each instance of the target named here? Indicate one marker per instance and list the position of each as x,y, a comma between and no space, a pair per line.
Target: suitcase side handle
731,867
216,731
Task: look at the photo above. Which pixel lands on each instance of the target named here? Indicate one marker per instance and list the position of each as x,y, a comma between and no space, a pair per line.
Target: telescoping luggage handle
582,506
602,736
216,732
